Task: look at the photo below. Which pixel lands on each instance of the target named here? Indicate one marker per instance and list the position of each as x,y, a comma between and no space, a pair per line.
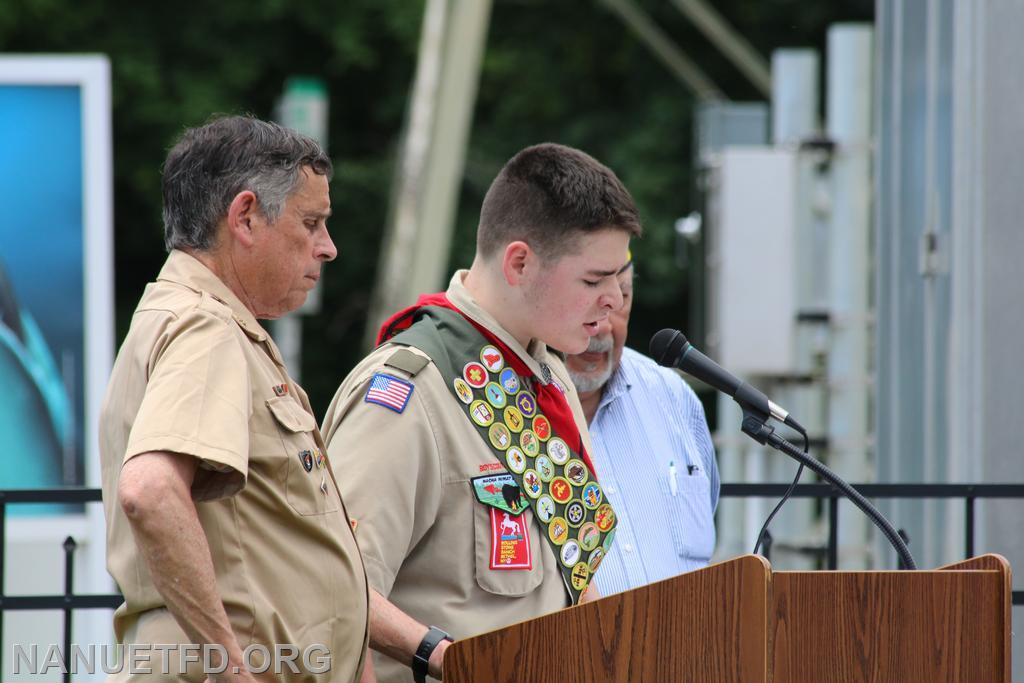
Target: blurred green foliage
565,71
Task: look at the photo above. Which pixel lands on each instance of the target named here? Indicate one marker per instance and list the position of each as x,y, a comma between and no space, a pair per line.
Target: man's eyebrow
601,273
318,214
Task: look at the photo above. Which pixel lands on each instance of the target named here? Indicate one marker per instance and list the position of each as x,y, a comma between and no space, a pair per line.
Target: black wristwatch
421,659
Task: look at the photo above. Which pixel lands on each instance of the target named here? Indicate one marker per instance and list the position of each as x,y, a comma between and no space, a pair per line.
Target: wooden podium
740,621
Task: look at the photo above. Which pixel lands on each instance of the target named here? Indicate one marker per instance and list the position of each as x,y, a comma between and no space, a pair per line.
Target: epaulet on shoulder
408,362
210,304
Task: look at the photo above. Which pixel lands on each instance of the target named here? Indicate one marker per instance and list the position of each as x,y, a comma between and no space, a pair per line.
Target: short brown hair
547,196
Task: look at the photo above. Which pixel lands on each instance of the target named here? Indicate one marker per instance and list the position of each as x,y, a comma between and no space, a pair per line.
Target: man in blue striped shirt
653,455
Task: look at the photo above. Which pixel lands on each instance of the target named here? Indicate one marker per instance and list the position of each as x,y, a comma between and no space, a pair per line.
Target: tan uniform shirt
198,375
425,538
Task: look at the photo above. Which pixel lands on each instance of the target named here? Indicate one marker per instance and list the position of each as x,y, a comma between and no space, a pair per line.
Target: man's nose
326,249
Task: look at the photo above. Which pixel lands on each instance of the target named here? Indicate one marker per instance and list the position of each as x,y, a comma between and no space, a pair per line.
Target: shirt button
610,489
627,548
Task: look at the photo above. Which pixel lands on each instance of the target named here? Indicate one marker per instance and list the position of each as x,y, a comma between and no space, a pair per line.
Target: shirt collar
535,355
186,270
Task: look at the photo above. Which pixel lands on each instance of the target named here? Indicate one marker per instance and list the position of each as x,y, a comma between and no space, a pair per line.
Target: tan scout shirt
197,375
425,538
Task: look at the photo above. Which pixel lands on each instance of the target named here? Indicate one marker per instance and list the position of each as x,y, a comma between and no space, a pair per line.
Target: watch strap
421,660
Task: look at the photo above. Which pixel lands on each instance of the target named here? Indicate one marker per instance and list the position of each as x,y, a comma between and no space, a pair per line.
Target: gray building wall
950,281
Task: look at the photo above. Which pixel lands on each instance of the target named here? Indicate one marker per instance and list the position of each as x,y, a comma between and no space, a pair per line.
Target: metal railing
70,601
969,493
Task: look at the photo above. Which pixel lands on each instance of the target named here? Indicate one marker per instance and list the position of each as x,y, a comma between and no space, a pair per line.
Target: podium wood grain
929,626
707,625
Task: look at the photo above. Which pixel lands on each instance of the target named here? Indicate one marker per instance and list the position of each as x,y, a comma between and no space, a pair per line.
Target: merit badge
532,483
558,451
558,531
541,427
594,561
388,391
580,576
499,491
574,513
589,536
545,469
280,390
605,518
607,545
481,413
475,375
514,419
499,436
526,404
570,553
509,381
515,459
492,358
545,508
463,391
592,495
306,458
561,490
576,472
321,461
528,440
510,542
495,396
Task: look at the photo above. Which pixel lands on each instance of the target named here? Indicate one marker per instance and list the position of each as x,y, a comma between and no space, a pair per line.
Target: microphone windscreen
666,345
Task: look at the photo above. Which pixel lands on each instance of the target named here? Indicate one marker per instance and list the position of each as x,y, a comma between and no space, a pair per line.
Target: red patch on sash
510,541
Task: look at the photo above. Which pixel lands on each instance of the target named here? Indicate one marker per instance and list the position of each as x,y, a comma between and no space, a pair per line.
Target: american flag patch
389,392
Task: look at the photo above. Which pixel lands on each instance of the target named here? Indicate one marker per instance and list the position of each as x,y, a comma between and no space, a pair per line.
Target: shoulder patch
407,361
388,391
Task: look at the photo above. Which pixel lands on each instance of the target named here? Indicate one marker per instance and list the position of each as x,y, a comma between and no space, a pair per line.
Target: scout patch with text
510,541
388,391
500,491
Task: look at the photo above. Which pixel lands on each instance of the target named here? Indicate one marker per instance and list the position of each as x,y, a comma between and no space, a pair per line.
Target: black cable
785,497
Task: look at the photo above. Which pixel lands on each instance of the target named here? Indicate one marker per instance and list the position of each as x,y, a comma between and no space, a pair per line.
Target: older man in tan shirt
226,531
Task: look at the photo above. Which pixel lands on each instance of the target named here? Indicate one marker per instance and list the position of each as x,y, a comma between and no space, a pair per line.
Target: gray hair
212,163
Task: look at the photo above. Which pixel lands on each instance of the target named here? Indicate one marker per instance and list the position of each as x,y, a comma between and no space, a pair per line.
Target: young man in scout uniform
225,526
654,452
465,450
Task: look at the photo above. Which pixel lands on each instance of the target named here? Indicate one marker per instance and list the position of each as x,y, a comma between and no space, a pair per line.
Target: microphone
670,349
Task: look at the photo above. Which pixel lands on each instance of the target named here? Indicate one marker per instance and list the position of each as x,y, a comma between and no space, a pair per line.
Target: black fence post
969,527
833,531
69,582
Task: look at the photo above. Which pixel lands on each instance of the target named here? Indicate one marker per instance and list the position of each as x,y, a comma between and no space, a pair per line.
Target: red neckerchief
550,400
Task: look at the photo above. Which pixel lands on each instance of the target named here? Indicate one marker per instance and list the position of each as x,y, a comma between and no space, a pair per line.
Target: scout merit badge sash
531,432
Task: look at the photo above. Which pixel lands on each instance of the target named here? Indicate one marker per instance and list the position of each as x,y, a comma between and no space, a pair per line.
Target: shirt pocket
689,515
507,582
302,487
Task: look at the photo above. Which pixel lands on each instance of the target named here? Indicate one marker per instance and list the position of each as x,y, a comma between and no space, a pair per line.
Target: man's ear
241,214
518,262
